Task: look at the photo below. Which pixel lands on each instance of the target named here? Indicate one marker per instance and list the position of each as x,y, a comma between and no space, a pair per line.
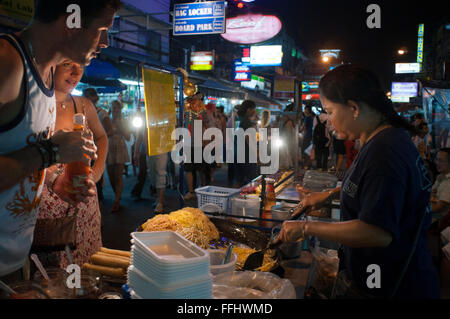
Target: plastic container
147,288
168,258
245,206
217,256
56,286
220,196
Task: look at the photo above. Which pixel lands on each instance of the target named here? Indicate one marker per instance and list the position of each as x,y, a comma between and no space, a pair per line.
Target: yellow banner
159,110
16,13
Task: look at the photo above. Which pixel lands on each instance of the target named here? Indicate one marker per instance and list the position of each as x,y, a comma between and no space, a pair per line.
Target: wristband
49,153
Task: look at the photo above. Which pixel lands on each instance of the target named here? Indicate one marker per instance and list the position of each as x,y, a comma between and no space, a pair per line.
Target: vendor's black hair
289,108
246,105
48,11
352,82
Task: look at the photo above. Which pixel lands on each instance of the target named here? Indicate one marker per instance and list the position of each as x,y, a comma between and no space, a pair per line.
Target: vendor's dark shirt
388,186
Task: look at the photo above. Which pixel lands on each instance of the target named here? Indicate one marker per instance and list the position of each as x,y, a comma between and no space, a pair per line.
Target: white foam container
146,288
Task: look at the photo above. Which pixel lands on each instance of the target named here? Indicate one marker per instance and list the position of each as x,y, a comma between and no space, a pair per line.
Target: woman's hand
75,146
310,201
291,231
82,193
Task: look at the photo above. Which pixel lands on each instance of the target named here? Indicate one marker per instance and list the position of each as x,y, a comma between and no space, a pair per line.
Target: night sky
319,24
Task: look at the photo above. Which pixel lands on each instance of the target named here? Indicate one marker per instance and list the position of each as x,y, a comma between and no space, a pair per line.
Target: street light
401,52
325,59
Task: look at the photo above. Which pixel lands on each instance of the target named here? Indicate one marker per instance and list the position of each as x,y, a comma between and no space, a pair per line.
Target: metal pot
281,213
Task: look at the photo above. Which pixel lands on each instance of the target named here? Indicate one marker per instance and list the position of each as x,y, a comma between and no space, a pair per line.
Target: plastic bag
252,285
326,270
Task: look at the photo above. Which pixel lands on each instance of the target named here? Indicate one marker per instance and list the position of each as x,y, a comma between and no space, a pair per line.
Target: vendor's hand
81,196
291,231
310,201
302,191
75,146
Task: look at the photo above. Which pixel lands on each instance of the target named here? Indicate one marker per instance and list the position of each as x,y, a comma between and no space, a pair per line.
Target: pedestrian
195,111
88,216
140,156
27,118
307,130
287,135
117,153
421,137
211,121
339,152
385,196
229,146
321,141
157,167
247,170
105,120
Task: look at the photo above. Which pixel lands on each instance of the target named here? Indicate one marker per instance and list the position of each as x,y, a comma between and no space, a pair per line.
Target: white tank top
19,204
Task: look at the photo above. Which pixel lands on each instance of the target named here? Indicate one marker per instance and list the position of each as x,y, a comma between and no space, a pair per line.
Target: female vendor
385,195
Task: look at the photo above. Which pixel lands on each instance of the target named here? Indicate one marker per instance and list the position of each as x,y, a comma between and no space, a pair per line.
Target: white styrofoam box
147,288
169,248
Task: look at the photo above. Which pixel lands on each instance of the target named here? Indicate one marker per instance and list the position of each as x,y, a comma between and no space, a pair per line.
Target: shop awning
101,70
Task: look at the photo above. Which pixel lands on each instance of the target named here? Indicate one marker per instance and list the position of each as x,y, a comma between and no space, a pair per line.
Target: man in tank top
29,144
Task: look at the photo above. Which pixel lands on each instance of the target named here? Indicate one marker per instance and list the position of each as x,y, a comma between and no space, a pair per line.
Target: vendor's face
442,162
85,44
67,76
341,118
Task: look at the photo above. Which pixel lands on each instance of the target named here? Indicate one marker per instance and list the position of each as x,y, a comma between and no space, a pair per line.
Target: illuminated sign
407,68
330,53
199,18
307,97
256,83
310,86
252,28
246,55
266,55
420,44
202,61
242,72
16,13
402,91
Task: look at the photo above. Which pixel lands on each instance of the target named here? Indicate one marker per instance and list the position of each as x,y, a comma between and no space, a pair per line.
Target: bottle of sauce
269,201
77,172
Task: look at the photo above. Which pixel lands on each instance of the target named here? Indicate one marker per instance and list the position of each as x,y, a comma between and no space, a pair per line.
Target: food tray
147,288
220,196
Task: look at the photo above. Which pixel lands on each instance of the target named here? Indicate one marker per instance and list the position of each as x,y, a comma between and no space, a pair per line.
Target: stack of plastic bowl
165,265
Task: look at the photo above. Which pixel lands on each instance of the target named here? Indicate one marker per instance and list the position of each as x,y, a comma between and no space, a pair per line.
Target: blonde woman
88,241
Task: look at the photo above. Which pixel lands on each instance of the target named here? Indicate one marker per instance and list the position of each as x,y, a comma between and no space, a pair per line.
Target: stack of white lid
165,265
